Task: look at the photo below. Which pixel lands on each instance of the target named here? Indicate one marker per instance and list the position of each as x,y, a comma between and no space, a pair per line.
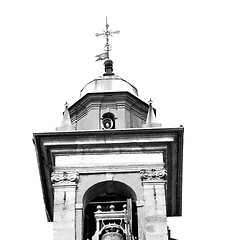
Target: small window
108,121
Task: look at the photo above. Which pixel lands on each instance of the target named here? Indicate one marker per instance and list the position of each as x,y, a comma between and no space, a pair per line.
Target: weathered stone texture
63,234
155,210
64,211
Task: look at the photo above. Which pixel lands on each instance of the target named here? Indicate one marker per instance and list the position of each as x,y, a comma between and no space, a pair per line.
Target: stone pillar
79,221
141,220
64,184
155,204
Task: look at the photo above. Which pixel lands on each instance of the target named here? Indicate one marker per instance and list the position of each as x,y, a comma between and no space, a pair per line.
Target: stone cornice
124,99
169,141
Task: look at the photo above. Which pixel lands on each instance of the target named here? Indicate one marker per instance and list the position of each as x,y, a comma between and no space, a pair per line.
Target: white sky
185,55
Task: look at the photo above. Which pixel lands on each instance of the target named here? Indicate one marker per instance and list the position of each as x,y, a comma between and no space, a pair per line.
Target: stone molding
153,175
79,206
140,203
64,178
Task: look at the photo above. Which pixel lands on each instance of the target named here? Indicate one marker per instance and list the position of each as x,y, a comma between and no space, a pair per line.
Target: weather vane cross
107,47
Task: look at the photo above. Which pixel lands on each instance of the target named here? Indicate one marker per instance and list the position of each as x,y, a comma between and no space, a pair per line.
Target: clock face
107,123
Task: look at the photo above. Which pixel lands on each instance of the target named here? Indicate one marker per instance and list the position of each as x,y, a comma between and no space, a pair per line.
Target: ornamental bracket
64,178
153,175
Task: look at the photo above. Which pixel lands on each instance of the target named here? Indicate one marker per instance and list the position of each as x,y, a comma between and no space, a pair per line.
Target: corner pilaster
154,181
64,184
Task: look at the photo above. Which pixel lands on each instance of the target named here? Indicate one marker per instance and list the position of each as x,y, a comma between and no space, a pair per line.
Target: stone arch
106,193
107,187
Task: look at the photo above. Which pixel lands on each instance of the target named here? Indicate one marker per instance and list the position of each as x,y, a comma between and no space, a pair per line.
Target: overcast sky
184,55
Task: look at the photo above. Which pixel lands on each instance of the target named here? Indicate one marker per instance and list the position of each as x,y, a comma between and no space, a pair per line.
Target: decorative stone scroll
64,177
153,174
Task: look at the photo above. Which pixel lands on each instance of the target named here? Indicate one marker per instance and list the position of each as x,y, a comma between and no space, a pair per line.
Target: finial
108,68
150,101
99,208
112,207
106,33
66,124
66,104
151,117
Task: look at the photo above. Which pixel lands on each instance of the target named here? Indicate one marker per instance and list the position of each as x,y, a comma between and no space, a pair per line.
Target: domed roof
111,83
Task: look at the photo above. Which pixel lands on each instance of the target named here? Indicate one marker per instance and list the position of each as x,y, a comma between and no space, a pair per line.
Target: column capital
153,175
64,178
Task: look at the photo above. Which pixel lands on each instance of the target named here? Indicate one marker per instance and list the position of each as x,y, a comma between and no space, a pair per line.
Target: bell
112,236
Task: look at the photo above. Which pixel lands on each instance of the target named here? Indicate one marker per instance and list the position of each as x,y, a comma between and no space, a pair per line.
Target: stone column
155,204
64,184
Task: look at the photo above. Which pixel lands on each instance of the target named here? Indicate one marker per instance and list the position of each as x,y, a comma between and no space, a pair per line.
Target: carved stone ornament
153,174
64,177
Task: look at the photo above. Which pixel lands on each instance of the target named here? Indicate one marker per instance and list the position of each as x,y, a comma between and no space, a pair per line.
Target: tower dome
109,82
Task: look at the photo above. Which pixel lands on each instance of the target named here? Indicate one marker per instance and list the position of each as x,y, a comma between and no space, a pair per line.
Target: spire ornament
151,120
66,124
106,33
66,105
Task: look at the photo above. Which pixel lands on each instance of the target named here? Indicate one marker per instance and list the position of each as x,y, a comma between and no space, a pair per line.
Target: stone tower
110,171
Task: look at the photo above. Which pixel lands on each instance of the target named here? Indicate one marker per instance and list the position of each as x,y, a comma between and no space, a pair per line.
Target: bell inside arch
112,232
110,212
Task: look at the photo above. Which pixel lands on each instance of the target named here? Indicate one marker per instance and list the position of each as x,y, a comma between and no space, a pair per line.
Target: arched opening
104,208
108,121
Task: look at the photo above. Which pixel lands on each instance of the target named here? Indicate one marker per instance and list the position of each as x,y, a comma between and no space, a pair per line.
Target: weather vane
107,47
